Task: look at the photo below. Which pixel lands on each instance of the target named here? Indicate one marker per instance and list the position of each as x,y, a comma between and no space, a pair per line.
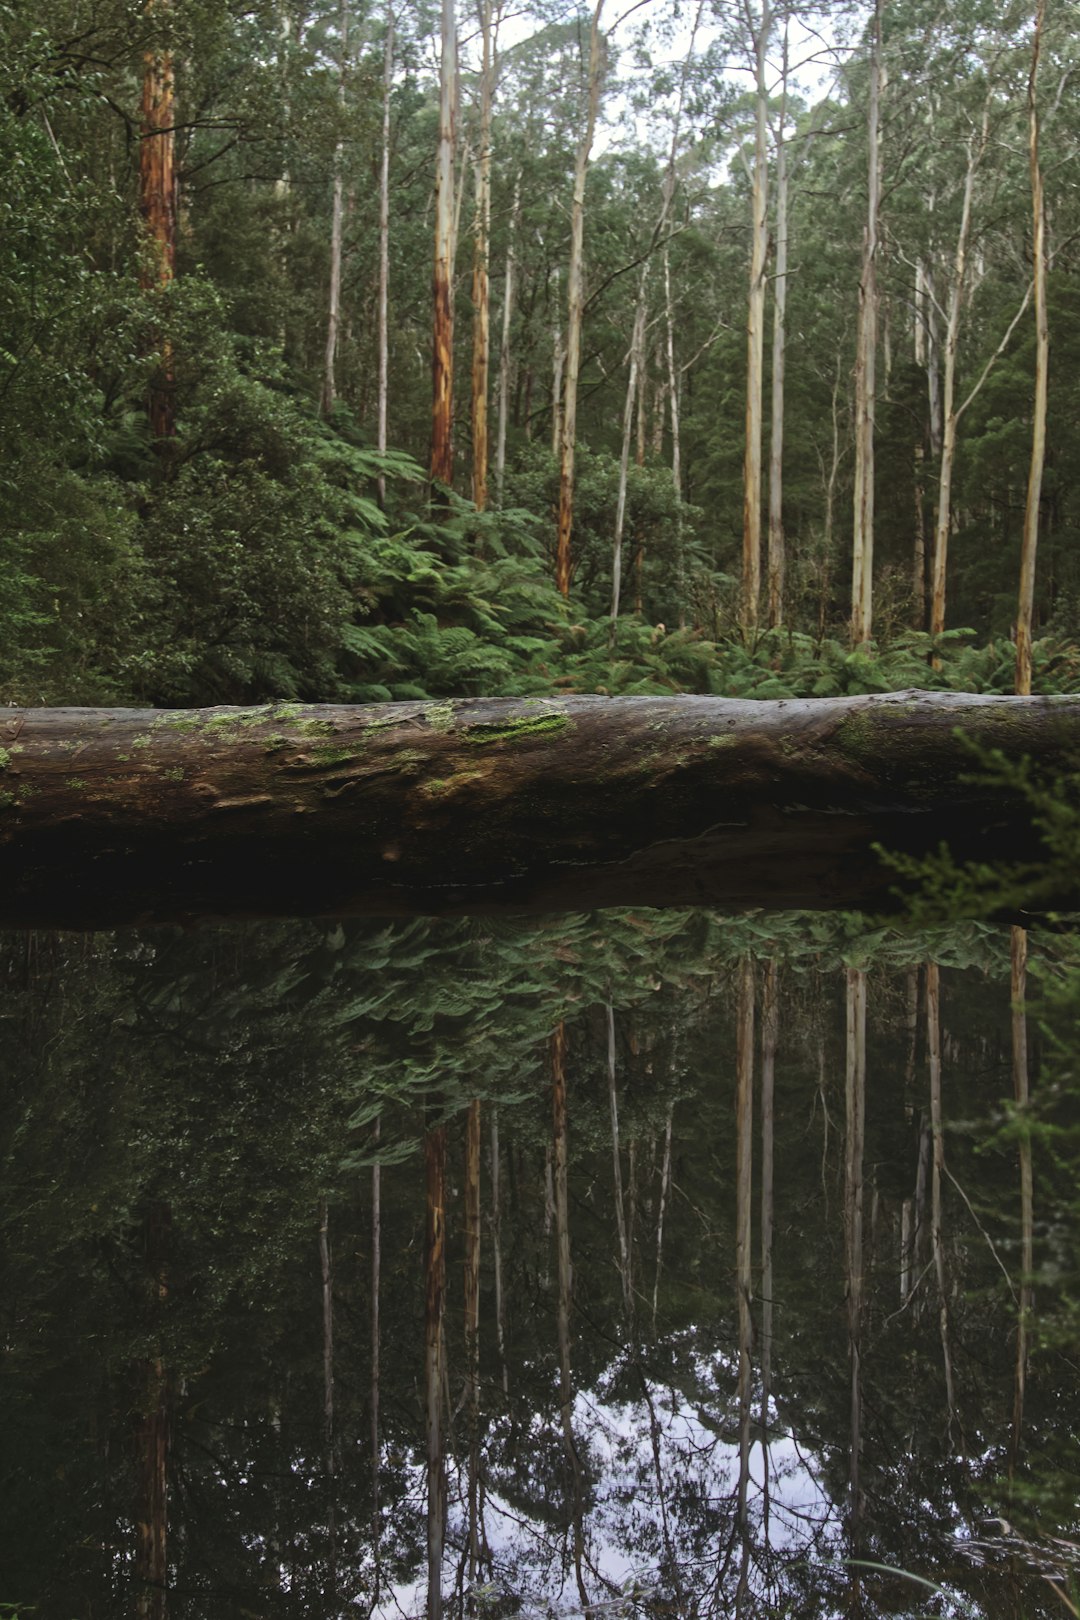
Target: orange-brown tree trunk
157,204
442,364
480,276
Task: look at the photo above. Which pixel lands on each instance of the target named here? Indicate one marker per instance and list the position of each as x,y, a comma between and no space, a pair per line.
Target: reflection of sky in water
635,1484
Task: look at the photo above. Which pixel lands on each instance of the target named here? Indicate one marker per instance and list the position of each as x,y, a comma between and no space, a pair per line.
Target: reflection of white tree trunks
496,1248
472,1323
744,1153
665,1185
329,1440
933,1038
854,1135
565,1292
376,1267
435,1296
770,1030
620,1206
1022,1095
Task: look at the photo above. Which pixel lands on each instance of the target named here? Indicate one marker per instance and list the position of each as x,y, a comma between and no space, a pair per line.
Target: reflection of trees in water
238,1078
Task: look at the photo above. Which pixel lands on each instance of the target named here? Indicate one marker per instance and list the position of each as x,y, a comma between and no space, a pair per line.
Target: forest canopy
739,340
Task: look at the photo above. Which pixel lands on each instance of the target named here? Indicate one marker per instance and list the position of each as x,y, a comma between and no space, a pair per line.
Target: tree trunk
776,553
770,1030
435,1274
152,1436
951,416
744,1154
637,355
480,299
472,1324
479,805
329,1439
862,576
442,411
1042,365
937,1128
616,1156
1022,1097
157,204
504,347
496,1248
575,307
755,338
560,1158
854,1134
383,318
376,1447
333,320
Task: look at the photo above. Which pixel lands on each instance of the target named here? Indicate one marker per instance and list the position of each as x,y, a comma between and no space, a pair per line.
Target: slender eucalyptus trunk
558,360
504,347
480,277
937,1239
153,1435
157,204
1042,366
1022,1097
744,1152
329,1438
496,1248
776,553
442,411
950,414
770,1032
676,442
620,1205
434,1306
383,316
472,1326
575,292
375,1384
637,355
854,1138
862,576
665,1188
755,336
337,217
565,1294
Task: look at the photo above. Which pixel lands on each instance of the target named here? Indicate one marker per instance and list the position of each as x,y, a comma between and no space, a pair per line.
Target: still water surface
742,1334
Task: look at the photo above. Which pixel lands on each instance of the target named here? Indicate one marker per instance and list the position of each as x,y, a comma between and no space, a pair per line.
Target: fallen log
112,817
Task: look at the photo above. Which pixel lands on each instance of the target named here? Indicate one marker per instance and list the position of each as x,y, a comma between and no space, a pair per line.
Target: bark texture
481,805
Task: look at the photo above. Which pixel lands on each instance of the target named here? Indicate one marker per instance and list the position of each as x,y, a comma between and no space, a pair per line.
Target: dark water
797,1403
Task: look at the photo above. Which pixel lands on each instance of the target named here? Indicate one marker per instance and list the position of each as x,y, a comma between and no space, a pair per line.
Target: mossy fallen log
112,817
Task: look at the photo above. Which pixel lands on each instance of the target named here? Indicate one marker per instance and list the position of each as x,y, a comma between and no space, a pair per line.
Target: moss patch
509,731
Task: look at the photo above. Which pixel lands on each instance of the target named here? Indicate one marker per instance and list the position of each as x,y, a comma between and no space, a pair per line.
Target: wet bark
110,817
